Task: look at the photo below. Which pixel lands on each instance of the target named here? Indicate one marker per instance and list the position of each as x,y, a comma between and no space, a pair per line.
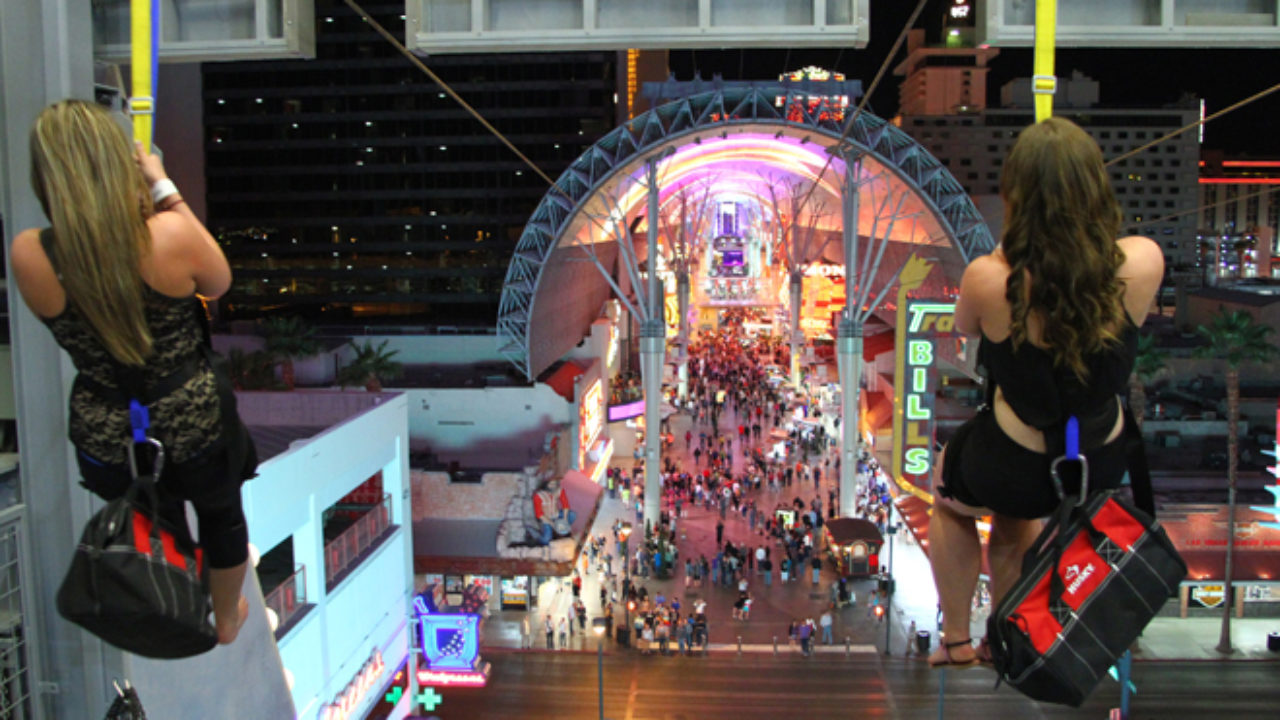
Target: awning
562,378
846,531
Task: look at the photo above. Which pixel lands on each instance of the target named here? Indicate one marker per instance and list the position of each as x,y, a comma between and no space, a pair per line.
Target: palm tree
250,371
370,366
1237,339
1148,364
289,337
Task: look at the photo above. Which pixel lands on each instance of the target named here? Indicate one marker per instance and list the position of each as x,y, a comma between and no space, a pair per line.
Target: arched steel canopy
724,113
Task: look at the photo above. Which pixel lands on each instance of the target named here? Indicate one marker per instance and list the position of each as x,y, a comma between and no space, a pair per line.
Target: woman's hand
150,165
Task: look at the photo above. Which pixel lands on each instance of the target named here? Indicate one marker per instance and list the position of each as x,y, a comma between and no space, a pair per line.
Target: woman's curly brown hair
1061,224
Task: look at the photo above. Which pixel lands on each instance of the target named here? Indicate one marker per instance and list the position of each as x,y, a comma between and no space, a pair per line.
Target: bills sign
922,326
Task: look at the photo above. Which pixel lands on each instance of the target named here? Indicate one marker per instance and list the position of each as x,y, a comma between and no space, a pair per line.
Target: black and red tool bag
1098,573
134,583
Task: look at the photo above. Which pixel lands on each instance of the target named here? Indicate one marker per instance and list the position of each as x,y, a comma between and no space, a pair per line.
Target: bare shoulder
28,257
37,281
985,274
1143,258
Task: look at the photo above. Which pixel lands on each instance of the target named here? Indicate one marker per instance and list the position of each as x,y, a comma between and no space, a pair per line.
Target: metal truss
720,109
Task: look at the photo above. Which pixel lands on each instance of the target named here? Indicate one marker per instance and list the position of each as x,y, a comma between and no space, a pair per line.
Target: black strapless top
1043,396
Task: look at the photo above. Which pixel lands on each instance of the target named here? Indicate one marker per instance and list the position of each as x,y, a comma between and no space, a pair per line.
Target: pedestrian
551,632
825,622
720,529
804,633
817,568
564,632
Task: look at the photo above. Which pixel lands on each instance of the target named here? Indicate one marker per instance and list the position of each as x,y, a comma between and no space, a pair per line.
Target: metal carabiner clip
156,467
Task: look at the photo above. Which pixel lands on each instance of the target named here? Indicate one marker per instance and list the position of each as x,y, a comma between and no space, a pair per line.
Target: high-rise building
1240,198
1156,187
353,187
942,80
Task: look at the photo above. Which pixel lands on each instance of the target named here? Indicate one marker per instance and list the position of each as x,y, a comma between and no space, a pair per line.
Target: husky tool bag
135,583
1093,579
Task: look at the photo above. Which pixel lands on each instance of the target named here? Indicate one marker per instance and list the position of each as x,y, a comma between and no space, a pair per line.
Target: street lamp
891,531
598,627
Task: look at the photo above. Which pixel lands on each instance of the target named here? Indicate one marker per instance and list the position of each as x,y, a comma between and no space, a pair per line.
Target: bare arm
186,237
34,274
979,281
1142,272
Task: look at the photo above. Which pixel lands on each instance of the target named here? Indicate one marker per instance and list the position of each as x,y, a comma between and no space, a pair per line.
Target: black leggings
985,468
205,482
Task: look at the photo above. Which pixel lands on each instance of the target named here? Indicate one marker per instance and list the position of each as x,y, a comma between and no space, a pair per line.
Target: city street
760,686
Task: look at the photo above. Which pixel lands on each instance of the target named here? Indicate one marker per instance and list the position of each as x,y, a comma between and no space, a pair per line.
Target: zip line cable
445,86
1196,124
1206,206
844,135
417,62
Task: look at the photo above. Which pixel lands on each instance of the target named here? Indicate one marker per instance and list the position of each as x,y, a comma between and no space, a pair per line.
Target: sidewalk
775,606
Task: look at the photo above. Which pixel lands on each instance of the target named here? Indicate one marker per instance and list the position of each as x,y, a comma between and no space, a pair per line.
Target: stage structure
1133,23
466,26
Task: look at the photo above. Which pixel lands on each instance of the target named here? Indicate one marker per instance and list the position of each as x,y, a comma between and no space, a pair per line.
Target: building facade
352,186
1240,216
1156,188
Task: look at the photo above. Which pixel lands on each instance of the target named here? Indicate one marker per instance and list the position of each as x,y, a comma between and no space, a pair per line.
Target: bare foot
227,632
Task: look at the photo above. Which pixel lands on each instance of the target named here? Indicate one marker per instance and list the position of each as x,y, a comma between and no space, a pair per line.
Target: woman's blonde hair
1061,225
84,172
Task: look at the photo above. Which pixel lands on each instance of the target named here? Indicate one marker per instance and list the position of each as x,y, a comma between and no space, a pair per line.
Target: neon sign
822,270
345,704
920,324
926,320
590,418
451,646
452,679
626,411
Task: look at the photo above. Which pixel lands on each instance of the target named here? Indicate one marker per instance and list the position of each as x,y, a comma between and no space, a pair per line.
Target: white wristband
162,189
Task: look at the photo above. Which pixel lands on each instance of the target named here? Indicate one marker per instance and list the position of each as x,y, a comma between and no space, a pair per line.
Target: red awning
561,380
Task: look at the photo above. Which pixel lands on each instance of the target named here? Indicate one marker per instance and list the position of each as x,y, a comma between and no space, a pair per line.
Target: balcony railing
288,599
346,550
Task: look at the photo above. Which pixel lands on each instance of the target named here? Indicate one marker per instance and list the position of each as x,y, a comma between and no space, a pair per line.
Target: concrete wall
368,609
306,407
495,427
435,496
435,349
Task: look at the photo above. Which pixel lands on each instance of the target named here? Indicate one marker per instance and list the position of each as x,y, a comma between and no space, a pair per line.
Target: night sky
1127,78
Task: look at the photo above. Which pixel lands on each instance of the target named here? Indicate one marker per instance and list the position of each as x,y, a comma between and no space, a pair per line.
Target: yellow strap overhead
141,102
1044,82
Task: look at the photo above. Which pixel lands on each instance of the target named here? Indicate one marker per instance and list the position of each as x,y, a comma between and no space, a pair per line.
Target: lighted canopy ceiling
741,140
744,163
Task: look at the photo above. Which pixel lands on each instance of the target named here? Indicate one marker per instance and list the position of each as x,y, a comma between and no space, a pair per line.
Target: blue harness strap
139,420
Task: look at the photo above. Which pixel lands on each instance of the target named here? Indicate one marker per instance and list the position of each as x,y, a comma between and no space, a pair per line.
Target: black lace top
186,420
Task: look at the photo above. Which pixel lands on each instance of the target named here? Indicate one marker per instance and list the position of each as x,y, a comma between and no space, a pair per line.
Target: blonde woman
1058,306
115,279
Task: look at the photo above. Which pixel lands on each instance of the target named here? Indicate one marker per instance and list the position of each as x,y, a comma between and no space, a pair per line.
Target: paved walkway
776,605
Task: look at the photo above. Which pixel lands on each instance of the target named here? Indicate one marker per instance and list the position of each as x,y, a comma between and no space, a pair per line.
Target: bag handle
146,484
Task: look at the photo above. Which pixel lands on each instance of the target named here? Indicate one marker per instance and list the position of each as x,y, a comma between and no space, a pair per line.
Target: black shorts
984,467
203,480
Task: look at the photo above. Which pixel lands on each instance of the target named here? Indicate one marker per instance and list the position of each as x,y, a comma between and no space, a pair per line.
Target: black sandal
953,663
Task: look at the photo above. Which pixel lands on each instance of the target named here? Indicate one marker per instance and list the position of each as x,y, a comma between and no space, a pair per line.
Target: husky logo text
1076,577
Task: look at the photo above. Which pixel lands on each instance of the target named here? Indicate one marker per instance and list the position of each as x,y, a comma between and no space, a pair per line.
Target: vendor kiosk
854,546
